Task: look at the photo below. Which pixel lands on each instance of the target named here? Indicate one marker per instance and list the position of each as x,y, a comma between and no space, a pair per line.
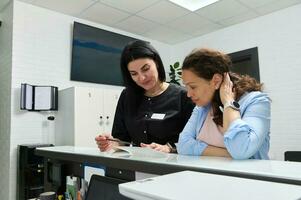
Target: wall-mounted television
96,55
246,62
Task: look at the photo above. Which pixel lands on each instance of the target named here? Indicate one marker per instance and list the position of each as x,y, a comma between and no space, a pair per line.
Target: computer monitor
104,188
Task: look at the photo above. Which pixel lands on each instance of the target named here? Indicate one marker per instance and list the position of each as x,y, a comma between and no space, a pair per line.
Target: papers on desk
137,152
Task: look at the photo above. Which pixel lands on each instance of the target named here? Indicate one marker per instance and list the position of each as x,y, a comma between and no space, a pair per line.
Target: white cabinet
84,113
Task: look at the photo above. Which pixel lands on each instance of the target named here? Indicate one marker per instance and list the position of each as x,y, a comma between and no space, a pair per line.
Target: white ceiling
162,20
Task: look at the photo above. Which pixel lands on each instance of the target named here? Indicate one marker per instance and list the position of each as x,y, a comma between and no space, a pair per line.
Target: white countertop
266,168
197,185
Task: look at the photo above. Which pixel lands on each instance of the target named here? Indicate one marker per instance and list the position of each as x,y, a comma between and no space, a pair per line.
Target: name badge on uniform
158,116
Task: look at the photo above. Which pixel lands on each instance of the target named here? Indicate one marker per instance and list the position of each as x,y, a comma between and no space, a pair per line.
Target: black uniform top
138,122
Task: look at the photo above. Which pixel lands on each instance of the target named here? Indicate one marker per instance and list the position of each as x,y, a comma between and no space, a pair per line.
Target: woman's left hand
157,147
226,90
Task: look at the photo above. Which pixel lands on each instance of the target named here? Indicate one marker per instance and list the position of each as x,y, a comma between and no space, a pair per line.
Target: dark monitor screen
104,188
246,62
96,55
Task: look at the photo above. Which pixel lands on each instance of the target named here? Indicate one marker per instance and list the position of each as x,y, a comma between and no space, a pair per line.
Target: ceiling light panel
193,5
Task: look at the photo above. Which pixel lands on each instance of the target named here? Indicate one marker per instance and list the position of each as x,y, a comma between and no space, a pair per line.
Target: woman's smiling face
144,73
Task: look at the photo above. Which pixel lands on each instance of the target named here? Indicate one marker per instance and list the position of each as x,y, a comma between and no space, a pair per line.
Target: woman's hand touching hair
226,89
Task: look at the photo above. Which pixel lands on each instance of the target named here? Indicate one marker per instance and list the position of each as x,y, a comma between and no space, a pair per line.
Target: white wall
278,38
41,56
5,97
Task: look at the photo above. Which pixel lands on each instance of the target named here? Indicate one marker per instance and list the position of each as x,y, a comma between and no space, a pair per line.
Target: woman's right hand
104,144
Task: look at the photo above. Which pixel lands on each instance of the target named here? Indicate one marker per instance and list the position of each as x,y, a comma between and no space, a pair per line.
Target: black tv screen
246,62
96,55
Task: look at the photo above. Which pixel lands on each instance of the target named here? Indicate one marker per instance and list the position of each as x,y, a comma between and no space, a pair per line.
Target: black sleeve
187,106
119,129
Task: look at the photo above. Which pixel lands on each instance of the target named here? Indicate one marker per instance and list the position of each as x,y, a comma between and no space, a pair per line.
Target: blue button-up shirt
245,138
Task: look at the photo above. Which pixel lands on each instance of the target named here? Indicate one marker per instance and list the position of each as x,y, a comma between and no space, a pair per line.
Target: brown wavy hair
206,62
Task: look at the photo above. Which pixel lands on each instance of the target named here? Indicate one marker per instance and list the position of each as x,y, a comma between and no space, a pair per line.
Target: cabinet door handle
108,117
100,117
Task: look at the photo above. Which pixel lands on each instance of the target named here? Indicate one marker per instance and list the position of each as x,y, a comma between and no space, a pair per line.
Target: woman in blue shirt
232,114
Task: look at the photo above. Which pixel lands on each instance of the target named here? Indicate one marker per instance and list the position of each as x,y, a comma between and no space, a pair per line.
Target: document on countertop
137,152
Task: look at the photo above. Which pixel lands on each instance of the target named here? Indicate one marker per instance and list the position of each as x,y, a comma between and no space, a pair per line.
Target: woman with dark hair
150,112
232,114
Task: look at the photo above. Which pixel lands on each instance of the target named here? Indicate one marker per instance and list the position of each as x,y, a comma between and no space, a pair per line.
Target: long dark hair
133,51
207,62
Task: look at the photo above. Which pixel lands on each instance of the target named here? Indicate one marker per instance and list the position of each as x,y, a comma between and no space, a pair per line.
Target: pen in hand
120,141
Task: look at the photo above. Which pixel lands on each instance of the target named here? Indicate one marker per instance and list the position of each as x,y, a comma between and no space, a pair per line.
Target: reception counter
74,158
